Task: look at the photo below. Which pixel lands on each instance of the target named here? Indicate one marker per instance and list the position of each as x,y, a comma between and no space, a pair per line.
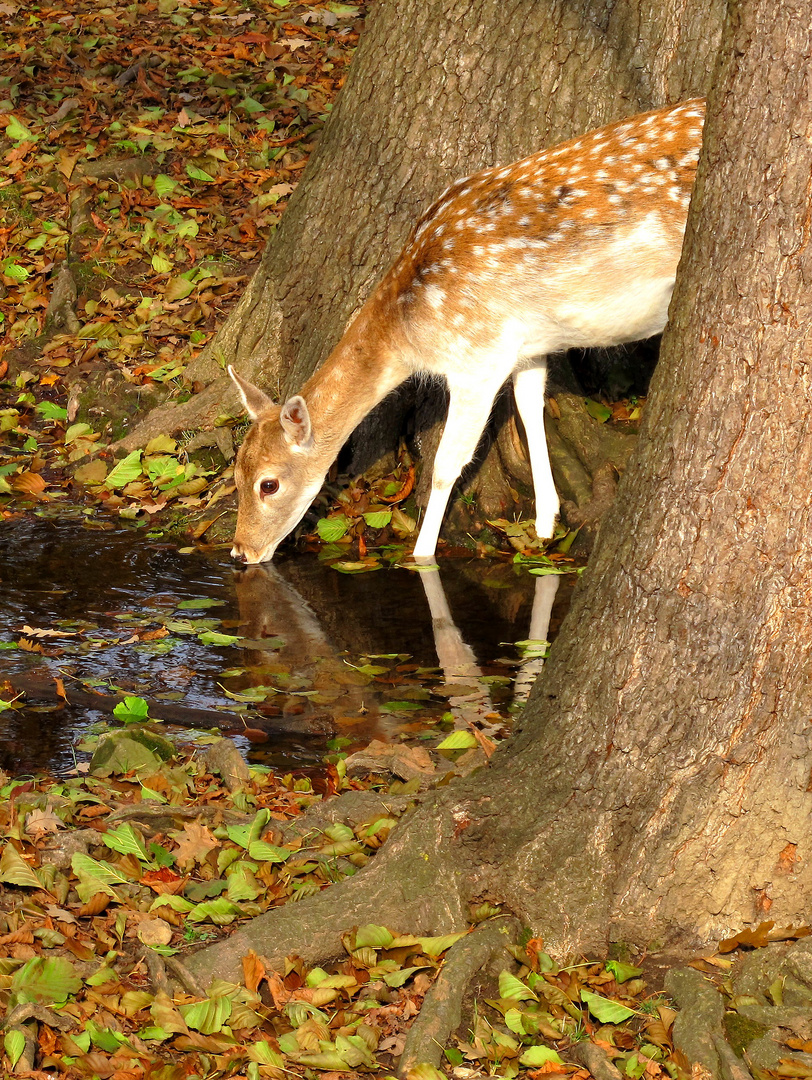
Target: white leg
468,410
528,389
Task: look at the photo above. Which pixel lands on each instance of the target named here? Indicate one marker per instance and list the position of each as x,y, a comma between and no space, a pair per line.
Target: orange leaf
95,905
31,482
253,971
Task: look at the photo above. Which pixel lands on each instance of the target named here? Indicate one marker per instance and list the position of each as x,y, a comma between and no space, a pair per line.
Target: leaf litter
146,154
171,858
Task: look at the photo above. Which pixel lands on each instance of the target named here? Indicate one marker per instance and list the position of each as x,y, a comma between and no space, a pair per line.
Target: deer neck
362,369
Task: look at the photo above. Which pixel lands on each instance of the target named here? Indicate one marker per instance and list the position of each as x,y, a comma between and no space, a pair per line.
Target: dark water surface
304,631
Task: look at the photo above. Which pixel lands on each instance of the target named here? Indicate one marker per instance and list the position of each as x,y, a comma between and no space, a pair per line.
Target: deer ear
253,399
295,421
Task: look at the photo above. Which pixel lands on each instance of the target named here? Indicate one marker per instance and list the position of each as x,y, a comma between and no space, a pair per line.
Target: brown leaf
487,745
95,905
31,482
194,843
253,971
23,936
763,935
164,881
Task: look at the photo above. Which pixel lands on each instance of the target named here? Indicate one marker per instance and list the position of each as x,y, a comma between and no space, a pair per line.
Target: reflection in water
307,630
540,619
270,607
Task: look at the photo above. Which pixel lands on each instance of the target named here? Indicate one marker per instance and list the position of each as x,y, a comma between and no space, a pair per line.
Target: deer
576,246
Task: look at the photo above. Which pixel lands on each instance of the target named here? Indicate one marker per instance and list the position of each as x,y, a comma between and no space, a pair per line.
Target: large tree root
441,1012
414,879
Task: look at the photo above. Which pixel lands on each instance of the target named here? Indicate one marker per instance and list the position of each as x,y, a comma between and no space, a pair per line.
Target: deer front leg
468,410
528,389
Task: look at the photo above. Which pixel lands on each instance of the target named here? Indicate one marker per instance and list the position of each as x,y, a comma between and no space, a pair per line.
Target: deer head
278,472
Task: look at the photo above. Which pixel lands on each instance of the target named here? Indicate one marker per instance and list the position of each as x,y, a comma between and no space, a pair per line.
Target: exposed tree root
441,1012
200,411
596,1060
352,808
411,879
61,313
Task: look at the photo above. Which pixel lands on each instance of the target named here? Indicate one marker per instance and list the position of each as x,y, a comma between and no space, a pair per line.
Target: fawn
575,246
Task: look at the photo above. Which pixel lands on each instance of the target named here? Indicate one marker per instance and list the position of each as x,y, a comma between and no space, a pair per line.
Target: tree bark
438,90
658,790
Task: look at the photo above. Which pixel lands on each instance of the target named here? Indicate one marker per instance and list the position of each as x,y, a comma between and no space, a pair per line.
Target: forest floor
109,876
148,151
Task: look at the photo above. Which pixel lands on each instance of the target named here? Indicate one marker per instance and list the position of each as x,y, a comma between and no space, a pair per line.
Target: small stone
224,759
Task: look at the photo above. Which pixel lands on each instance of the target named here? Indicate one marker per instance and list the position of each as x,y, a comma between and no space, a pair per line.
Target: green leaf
436,946
424,1071
512,988
212,637
13,270
198,174
373,936
49,410
14,870
209,1016
332,529
14,1044
458,740
402,975
36,243
126,841
104,1038
635,1066
75,431
161,265
132,710
378,519
539,1055
251,105
163,185
622,972
220,911
127,470
597,411
102,976
605,1010
95,876
177,903
45,981
18,132
263,852
264,1053
198,603
242,885
514,1021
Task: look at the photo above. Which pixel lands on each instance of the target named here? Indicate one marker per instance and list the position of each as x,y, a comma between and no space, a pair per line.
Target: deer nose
238,554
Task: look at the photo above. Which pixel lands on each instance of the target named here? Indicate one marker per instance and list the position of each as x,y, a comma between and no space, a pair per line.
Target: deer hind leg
469,407
528,389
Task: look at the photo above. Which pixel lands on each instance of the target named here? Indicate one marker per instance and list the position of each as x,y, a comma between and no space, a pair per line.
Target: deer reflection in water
291,647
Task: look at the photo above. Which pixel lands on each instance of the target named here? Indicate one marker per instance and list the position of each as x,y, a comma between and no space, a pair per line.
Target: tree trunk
436,91
658,789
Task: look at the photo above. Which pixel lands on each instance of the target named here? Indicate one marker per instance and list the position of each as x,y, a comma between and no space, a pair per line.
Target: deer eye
269,487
